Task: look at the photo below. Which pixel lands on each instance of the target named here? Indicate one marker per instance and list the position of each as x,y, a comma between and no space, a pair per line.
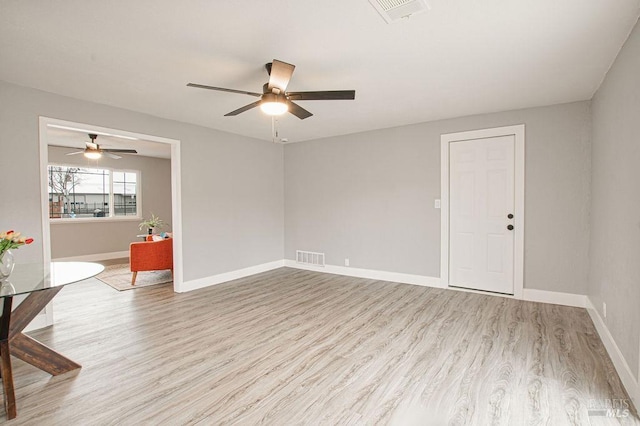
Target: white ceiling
462,57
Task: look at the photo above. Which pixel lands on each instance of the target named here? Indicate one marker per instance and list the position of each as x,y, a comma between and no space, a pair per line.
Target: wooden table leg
5,360
7,380
41,356
30,350
30,308
13,342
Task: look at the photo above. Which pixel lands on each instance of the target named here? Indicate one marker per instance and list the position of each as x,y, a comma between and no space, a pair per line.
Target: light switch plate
437,204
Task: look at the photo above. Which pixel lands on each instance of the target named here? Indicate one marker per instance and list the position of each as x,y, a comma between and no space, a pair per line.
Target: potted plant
151,224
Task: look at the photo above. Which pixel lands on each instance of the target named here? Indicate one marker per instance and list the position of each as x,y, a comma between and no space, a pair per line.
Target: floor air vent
310,258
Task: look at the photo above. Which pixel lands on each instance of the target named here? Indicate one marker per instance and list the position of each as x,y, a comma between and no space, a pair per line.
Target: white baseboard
395,277
533,295
624,371
555,297
228,276
95,257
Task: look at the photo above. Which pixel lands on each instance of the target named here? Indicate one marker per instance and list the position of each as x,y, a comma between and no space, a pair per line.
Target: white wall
614,276
370,196
367,196
232,195
70,239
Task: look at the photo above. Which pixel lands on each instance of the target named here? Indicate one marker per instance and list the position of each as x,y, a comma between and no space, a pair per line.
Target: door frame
176,196
518,132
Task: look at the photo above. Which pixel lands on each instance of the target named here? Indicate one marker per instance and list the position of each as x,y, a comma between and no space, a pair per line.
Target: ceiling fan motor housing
273,97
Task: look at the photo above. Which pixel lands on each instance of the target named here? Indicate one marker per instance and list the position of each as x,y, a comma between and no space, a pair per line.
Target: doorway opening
112,191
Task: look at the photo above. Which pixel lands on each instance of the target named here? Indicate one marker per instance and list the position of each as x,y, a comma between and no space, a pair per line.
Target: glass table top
27,278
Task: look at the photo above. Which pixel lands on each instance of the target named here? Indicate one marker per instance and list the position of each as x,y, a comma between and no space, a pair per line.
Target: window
78,192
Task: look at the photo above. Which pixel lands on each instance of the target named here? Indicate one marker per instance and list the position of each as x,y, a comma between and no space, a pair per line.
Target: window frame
110,218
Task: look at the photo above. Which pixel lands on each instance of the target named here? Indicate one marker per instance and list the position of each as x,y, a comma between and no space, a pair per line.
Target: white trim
624,371
444,211
106,130
397,277
532,295
67,220
555,298
518,131
44,203
95,257
229,276
176,215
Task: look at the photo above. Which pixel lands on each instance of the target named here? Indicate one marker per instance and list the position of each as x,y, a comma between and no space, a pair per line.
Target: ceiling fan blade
324,95
298,111
243,109
222,89
75,153
124,151
110,155
280,75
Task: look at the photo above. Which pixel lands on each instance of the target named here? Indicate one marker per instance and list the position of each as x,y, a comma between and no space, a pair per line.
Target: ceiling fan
94,152
275,100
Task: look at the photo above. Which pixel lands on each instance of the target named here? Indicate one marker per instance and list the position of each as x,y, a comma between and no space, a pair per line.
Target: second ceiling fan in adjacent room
94,151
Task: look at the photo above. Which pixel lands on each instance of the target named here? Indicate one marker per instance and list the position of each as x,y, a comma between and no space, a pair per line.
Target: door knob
510,227
510,216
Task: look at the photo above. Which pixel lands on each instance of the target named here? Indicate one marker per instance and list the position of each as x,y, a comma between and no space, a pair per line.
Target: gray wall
370,196
615,206
78,239
239,223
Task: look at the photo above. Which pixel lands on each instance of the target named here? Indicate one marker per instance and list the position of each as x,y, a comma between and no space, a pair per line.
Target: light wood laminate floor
291,347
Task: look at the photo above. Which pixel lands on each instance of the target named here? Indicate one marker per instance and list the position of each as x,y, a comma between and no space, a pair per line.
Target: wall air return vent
310,258
394,10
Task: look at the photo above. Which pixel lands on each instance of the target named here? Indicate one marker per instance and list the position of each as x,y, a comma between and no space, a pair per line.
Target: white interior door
481,213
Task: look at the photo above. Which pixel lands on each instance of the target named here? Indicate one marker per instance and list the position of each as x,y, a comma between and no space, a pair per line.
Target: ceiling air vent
394,10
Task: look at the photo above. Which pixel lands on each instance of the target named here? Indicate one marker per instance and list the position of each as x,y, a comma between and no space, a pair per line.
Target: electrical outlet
346,261
604,309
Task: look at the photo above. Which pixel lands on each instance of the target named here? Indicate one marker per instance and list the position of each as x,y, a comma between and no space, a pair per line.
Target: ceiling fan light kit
274,104
92,154
274,100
